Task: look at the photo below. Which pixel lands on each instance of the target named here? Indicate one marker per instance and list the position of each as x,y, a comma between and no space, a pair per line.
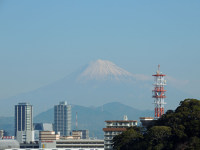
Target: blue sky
43,41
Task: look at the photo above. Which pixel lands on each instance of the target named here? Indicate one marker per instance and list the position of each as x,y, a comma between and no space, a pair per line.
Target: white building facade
115,127
62,119
73,144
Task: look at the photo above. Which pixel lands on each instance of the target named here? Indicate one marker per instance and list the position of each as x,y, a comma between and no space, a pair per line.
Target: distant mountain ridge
91,118
95,84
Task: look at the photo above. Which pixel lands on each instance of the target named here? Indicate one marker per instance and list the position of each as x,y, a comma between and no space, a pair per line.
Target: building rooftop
147,118
120,121
114,129
43,126
23,103
6,144
63,103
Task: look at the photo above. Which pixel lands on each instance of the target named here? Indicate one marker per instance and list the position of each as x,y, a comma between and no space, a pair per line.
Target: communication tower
159,93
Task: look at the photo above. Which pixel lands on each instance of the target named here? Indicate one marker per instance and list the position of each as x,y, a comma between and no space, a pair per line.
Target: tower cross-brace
159,93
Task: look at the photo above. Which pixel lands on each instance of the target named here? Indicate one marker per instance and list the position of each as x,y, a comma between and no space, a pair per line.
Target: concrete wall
25,136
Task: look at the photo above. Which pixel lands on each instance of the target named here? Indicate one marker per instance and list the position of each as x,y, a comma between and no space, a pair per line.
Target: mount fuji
104,70
95,84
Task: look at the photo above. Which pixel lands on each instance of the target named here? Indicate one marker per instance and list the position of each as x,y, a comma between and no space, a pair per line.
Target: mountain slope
95,84
103,70
93,118
7,124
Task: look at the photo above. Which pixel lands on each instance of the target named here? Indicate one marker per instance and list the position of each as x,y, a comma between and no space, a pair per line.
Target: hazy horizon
44,41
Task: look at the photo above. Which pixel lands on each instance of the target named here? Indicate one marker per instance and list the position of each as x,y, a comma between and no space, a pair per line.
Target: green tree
175,130
158,136
184,122
128,139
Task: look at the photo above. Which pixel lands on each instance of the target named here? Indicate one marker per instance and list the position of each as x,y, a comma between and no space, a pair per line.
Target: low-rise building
25,136
48,135
9,144
73,144
84,134
76,134
81,144
41,127
48,139
1,134
146,121
115,127
8,137
31,145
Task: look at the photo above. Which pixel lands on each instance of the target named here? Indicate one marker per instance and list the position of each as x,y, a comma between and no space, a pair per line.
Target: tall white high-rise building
62,119
24,123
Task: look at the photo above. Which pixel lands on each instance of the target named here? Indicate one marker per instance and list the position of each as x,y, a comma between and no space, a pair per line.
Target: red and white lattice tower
159,93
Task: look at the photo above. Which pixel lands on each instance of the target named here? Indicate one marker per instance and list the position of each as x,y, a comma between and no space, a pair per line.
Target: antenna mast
159,93
76,122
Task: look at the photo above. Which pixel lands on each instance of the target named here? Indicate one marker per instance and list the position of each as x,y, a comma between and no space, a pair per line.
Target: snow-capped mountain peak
102,70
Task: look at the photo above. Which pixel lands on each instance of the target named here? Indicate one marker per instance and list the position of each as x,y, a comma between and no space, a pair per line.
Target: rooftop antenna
158,71
125,117
76,122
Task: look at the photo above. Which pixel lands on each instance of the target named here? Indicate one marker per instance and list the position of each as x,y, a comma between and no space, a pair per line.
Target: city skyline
96,84
70,70
44,41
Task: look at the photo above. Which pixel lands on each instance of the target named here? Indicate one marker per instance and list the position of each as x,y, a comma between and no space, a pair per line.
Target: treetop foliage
175,130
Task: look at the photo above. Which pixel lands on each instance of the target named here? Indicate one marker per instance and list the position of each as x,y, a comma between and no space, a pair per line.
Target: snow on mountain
103,70
98,83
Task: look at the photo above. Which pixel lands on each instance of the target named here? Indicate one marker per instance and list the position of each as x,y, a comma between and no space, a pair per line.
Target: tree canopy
175,130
